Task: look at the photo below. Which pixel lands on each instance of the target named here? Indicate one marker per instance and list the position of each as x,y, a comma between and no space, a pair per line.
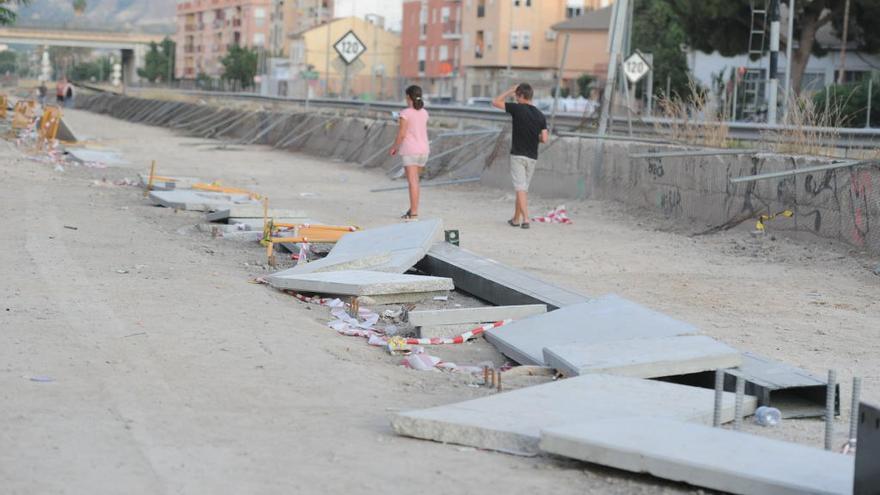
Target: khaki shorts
417,160
522,168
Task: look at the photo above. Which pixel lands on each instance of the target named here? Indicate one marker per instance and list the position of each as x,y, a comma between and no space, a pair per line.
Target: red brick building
431,47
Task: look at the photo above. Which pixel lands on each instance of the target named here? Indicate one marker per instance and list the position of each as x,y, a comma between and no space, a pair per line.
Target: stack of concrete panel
643,358
714,458
199,200
374,287
512,421
393,248
165,185
252,216
606,319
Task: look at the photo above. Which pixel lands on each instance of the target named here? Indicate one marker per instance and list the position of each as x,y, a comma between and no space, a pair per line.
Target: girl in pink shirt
412,145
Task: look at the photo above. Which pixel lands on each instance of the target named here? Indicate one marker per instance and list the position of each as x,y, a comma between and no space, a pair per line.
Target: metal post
628,94
618,28
870,95
738,405
788,95
509,76
841,75
559,82
735,95
719,397
326,56
650,89
773,90
829,408
854,412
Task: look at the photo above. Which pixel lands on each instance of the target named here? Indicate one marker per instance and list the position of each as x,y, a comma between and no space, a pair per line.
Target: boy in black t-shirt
529,129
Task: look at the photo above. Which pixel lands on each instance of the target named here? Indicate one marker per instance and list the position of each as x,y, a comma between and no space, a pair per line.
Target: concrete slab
444,331
177,183
241,212
474,315
606,319
867,469
493,281
405,243
512,421
360,283
107,157
643,358
700,455
198,201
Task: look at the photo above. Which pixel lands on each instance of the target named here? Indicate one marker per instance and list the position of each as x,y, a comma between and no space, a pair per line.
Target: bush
847,104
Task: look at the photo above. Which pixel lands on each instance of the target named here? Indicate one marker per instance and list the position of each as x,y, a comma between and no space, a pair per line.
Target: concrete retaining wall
839,204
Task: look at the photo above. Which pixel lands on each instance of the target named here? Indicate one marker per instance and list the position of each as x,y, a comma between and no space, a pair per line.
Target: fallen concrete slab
107,157
256,212
444,331
867,469
606,319
173,182
360,283
182,199
474,315
703,456
643,358
404,243
492,281
512,421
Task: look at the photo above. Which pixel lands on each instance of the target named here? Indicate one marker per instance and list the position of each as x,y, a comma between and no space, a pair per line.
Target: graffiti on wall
859,190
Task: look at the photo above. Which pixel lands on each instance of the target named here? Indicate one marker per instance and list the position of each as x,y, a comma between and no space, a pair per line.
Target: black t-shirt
528,122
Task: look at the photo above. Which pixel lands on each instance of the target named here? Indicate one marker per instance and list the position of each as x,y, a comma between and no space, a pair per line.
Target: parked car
479,102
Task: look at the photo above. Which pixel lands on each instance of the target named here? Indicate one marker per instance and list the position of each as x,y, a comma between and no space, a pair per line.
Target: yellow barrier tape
765,218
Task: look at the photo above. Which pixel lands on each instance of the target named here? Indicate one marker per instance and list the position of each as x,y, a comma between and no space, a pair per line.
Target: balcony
189,27
236,23
189,49
451,30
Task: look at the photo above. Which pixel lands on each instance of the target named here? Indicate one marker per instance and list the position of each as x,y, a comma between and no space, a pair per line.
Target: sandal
525,225
408,216
513,224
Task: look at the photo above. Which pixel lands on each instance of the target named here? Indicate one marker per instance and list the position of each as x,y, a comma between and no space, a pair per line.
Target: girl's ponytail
415,94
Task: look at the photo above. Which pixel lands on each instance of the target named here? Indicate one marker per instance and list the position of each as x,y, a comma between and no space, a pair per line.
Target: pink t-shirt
416,140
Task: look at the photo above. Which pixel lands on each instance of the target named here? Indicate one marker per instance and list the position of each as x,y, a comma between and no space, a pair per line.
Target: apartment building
294,16
588,45
431,47
497,34
206,28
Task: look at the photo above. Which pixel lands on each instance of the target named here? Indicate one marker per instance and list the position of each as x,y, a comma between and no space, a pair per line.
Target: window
528,3
423,22
488,40
526,40
481,8
421,59
444,14
516,3
259,39
475,90
514,40
259,17
479,45
444,53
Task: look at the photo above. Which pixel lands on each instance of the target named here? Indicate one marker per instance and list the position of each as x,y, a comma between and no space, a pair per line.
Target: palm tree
7,14
79,6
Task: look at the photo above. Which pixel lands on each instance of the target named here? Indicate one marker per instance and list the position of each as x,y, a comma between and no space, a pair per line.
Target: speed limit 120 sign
349,47
635,68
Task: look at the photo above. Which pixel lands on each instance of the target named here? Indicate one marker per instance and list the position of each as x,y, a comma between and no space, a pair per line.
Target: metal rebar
485,375
684,154
719,398
830,393
498,381
799,171
854,411
738,405
283,141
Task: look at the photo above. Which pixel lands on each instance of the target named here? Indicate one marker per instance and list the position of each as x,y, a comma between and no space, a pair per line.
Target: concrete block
606,319
257,223
444,331
643,358
359,283
715,458
493,281
512,421
197,200
256,212
474,315
404,243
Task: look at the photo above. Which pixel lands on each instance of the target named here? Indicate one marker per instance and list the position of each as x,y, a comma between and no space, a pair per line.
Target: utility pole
773,90
327,54
788,94
509,76
841,77
618,26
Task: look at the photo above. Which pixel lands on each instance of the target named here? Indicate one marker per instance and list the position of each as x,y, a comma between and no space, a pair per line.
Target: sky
391,9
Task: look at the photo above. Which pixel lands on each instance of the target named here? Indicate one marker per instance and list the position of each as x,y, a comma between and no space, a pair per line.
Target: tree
99,70
8,62
847,105
159,64
657,30
79,6
584,85
240,64
7,14
724,26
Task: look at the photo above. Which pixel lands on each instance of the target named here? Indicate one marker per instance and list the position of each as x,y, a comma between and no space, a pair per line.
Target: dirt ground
170,373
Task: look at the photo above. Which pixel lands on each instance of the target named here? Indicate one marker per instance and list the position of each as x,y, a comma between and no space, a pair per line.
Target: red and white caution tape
557,215
461,339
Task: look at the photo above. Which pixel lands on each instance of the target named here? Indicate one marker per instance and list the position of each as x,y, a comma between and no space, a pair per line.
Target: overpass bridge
132,46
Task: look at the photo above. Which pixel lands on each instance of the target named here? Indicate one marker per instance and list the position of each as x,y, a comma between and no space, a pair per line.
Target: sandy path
178,376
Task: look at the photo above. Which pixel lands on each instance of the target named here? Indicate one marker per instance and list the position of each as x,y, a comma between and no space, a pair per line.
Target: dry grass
809,129
693,120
